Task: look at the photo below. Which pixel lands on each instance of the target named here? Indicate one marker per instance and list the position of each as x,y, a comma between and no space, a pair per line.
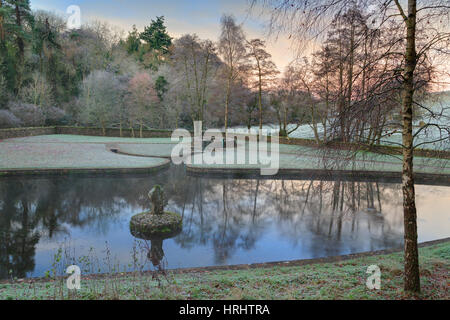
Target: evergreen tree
133,41
161,87
157,42
6,58
156,36
23,22
6,14
44,41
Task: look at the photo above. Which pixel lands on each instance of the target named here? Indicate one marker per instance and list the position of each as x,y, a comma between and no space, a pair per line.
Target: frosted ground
69,152
89,152
302,157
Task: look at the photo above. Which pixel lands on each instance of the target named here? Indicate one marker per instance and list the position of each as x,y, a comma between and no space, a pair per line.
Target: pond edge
264,265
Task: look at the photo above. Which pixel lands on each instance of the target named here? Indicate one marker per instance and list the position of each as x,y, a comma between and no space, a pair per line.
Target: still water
225,221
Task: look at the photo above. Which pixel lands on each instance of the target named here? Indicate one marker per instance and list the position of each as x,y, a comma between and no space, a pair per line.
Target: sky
195,16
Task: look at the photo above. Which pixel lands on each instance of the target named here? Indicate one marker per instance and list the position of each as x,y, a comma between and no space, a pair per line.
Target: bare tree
263,70
142,98
301,79
232,50
99,95
289,100
37,92
425,33
196,62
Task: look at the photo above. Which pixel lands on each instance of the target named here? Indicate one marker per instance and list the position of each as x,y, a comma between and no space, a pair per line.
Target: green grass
339,280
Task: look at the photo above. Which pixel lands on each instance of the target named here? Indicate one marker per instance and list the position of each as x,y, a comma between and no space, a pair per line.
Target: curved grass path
65,154
162,150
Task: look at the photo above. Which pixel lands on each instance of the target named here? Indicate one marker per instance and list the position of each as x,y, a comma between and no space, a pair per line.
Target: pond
226,221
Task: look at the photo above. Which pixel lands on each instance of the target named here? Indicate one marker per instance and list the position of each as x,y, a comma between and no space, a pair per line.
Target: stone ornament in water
157,223
157,199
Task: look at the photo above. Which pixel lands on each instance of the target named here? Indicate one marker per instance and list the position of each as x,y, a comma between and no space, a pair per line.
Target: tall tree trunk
260,95
20,43
2,30
205,78
314,125
341,97
412,278
21,47
227,101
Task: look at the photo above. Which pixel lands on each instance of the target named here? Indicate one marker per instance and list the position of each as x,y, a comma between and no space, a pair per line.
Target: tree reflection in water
234,214
231,216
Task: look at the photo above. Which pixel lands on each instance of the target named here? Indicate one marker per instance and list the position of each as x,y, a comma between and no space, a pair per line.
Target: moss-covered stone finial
156,224
158,199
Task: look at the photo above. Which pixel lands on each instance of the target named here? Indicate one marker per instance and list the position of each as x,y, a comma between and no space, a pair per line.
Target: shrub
9,120
55,116
29,114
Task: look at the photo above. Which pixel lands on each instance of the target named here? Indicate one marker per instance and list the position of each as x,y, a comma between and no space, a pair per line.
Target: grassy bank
337,280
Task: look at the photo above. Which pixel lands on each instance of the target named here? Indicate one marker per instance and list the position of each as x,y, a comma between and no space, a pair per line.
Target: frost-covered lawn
301,157
21,155
86,152
149,147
